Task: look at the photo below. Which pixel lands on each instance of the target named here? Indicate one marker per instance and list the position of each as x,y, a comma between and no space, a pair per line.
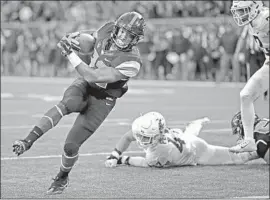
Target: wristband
115,154
74,59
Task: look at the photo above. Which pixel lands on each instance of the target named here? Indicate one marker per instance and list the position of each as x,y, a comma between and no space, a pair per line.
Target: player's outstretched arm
120,147
135,161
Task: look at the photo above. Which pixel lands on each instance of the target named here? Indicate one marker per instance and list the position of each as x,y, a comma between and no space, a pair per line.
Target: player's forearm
87,73
239,45
124,142
90,74
138,162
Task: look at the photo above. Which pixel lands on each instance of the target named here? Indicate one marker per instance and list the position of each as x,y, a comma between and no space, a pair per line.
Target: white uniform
180,149
259,28
174,150
259,82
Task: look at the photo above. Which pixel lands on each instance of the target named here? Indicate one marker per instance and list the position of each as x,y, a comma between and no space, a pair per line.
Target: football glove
65,46
113,159
75,45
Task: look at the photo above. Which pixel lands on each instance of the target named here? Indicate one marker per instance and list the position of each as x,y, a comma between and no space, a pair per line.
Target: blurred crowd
60,10
210,51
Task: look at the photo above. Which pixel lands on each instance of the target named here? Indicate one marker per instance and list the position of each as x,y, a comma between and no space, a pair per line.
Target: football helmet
237,126
148,129
245,11
128,30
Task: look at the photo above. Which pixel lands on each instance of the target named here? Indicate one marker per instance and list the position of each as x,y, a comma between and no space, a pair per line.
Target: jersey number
178,143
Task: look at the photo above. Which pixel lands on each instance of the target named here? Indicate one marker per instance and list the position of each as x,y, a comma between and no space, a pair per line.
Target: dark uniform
95,101
262,137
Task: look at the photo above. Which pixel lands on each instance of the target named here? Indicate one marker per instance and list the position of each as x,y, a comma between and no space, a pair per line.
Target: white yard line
122,122
252,197
153,83
59,156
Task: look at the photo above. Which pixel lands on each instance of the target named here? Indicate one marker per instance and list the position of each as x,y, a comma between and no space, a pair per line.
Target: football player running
261,134
165,147
115,60
256,16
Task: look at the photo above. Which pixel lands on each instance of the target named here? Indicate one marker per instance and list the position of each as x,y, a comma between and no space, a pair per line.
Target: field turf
24,100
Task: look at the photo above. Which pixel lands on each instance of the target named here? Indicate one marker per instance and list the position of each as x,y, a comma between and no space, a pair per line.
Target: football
86,43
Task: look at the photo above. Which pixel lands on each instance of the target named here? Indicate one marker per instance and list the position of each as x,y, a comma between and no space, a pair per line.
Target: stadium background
185,40
185,43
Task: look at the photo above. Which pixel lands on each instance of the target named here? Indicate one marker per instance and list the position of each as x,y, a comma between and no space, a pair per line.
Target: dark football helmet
237,126
128,30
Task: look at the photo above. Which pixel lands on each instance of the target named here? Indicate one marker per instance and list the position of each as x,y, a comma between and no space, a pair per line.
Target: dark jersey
127,63
262,137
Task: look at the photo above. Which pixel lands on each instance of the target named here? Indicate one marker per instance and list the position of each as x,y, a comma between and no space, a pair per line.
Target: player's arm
106,74
241,40
102,73
120,147
135,161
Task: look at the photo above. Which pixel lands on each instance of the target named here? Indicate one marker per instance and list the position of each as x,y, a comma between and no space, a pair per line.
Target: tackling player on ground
261,134
165,147
256,16
115,60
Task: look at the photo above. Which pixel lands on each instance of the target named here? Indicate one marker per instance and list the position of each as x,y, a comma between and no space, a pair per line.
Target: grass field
24,100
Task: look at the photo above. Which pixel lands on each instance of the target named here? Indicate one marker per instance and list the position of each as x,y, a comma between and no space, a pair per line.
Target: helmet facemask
124,38
147,141
148,129
243,15
128,30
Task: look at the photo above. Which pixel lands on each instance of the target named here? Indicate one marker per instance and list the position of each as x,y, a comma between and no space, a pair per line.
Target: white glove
112,159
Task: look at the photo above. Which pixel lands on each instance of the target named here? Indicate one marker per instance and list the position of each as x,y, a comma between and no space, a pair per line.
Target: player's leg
85,125
254,88
195,127
74,100
216,155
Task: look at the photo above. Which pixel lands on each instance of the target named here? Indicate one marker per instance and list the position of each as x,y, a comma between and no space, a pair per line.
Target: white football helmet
148,128
245,11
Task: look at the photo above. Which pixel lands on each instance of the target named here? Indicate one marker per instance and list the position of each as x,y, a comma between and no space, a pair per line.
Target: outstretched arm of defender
120,147
134,161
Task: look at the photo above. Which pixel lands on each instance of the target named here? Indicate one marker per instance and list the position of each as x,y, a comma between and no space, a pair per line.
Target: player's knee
61,108
245,96
71,149
73,104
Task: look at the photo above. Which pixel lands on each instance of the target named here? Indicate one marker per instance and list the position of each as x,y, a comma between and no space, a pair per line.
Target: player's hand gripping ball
82,42
65,46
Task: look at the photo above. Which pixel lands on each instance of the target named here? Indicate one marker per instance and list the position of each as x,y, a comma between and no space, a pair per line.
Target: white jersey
259,28
176,149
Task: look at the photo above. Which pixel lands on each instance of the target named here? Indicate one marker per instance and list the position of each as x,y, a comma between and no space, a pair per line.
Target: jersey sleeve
129,68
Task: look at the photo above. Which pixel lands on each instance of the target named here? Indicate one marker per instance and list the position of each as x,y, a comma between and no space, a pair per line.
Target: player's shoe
246,145
194,127
58,185
20,146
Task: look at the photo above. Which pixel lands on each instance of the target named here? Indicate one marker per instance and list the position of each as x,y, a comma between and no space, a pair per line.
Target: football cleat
20,146
58,185
246,145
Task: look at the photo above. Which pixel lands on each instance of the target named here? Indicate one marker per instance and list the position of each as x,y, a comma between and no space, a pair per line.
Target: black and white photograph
135,99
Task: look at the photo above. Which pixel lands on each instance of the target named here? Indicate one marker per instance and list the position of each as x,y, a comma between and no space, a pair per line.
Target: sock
52,117
48,121
66,164
248,118
34,135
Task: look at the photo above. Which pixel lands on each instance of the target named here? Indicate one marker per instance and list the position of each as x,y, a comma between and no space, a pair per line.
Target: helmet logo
161,126
132,21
